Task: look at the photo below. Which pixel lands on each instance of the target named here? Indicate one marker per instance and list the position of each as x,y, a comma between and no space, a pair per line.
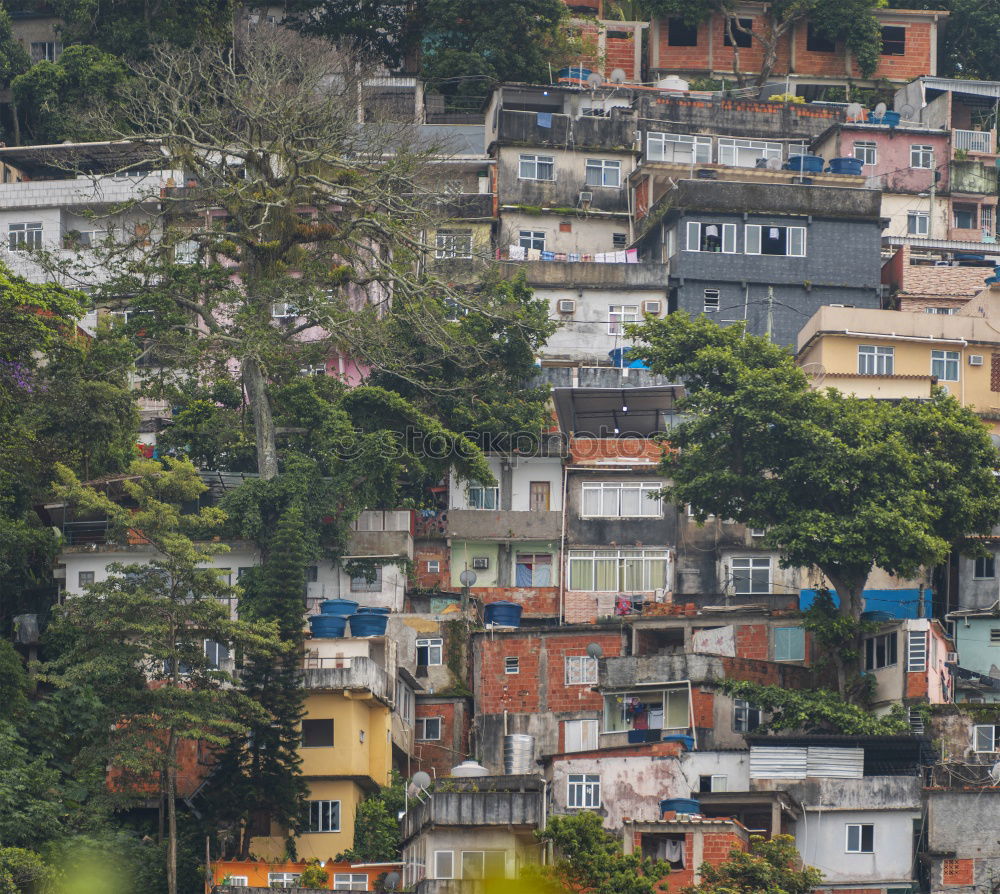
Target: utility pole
770,312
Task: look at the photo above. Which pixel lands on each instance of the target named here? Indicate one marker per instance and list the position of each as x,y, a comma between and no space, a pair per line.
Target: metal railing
973,140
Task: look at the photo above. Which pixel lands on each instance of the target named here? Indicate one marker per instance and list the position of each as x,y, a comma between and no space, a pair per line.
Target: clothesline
520,253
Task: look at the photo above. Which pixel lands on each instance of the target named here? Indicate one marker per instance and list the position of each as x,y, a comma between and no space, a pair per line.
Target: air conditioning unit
480,563
951,658
567,305
585,199
652,307
975,359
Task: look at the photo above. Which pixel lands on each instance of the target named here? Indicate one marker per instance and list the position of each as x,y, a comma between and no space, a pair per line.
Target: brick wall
425,551
958,872
918,280
537,602
439,756
590,450
916,684
769,673
917,305
703,704
752,641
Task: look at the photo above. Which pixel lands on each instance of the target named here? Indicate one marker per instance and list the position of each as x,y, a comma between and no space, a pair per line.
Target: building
259,875
911,664
934,276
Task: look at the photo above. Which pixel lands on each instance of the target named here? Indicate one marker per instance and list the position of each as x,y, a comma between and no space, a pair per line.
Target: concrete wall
974,593
897,206
961,833
972,640
577,232
650,531
515,483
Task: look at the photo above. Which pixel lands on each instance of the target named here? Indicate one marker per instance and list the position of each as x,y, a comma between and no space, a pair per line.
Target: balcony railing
973,140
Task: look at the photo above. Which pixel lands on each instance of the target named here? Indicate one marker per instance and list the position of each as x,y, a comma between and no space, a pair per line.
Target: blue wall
898,603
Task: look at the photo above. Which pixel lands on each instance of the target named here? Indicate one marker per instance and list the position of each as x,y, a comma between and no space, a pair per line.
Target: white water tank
468,769
673,82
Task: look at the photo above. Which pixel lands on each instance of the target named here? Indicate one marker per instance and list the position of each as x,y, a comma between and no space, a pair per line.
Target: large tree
768,867
842,484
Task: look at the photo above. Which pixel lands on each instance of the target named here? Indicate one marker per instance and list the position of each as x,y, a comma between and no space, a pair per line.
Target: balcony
583,274
479,802
467,206
357,674
486,524
383,533
566,132
973,177
972,141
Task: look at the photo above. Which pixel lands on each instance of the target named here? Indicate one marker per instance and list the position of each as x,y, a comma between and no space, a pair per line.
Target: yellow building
346,741
893,354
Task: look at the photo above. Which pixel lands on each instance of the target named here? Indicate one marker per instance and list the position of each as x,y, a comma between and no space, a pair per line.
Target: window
282,310
762,240
965,217
243,571
880,651
621,570
583,790
860,838
619,240
481,497
512,665
944,365
45,50
216,653
662,709
742,39
317,733
444,864
984,738
429,651
713,783
350,881
789,644
711,237
817,42
452,244
24,236
745,153
484,864
324,816
711,301
921,156
237,881
85,578
986,568
918,223
537,167
995,636
579,735
874,360
758,532
893,40
619,315
532,240
580,670
602,172
750,575
866,152
360,583
916,651
680,33
745,720
283,879
428,729
986,219
945,311
533,570
433,566
622,499
678,147
312,574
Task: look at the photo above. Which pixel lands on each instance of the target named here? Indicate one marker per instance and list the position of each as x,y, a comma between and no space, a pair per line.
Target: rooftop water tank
368,625
810,163
468,769
518,754
502,614
673,82
372,610
327,626
846,165
680,805
341,607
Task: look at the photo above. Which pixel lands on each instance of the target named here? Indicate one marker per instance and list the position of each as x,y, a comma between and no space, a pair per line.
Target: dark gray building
729,245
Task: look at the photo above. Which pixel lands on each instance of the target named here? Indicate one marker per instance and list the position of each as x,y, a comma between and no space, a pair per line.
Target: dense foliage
769,867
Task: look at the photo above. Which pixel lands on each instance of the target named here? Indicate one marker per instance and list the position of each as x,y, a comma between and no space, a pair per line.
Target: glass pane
591,501
472,864
633,574
581,574
606,574
656,570
496,864
631,497
542,576
677,715
609,502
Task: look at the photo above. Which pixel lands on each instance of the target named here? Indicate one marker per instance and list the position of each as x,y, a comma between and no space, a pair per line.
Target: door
538,496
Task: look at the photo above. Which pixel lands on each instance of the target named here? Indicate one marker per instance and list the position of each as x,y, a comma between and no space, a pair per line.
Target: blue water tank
340,607
844,166
575,71
372,610
680,805
504,614
878,617
686,741
368,625
891,118
620,359
812,164
327,626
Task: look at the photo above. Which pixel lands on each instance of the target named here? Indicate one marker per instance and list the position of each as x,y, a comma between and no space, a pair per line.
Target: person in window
711,239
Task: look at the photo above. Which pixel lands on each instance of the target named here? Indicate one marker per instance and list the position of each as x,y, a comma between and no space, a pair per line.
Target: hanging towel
674,851
548,255
545,119
619,257
534,254
631,256
599,257
574,256
773,233
515,252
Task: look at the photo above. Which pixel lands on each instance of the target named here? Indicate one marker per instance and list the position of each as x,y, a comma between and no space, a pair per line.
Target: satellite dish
773,164
595,79
421,779
618,76
391,881
995,773
907,112
854,111
594,650
880,110
996,441
467,578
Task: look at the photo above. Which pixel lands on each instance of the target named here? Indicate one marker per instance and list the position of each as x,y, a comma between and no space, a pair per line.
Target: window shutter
728,238
752,239
573,735
693,236
797,242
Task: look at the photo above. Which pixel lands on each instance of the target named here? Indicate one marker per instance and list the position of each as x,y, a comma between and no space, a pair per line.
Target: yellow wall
349,756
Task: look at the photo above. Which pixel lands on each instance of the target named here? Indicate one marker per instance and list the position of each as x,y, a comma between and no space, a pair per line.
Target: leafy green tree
377,836
381,30
23,871
842,484
770,866
30,809
968,49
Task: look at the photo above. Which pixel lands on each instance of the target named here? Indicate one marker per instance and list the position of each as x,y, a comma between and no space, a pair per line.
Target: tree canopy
769,867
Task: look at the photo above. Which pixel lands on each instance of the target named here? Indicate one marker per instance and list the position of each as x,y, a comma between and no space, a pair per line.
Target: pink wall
893,155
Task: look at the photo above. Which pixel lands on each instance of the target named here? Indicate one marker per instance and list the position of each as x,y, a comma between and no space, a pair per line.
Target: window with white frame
45,50
782,241
536,167
444,864
531,240
746,718
916,651
24,236
875,360
750,574
744,153
580,670
428,729
604,172
533,570
789,644
350,881
324,816
866,151
921,156
583,790
579,735
237,881
619,315
453,244
433,566
678,147
656,709
618,570
945,365
986,219
367,583
216,653
918,223
711,237
482,497
985,568
985,739
711,305
405,702
881,651
994,636
860,838
944,311
512,665
622,499
429,651
283,879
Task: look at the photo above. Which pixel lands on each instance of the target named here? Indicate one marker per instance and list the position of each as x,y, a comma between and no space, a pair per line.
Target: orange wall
256,871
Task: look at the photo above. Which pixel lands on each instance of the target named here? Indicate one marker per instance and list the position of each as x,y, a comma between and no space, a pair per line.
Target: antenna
595,79
419,782
855,111
907,112
879,110
618,76
391,881
773,164
595,651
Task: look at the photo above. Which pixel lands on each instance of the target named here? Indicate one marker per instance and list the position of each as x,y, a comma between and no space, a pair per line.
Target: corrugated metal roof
958,85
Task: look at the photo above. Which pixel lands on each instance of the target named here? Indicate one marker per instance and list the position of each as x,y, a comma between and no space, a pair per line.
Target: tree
854,23
138,636
384,31
24,872
842,484
591,859
770,866
967,46
376,825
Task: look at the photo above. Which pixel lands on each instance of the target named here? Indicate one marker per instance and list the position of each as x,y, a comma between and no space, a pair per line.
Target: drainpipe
563,564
